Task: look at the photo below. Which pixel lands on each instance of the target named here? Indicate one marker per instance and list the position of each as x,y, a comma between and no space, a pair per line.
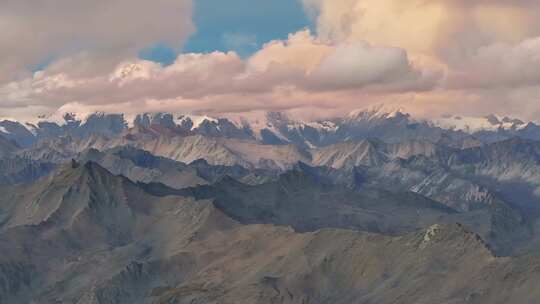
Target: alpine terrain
375,207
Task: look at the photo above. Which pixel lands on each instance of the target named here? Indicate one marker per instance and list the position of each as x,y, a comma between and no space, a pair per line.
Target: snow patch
430,234
195,119
326,126
31,128
85,119
59,118
475,124
381,111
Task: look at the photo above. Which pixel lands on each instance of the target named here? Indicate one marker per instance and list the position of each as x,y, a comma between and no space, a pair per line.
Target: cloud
433,57
448,27
35,30
329,66
488,49
276,71
301,50
521,102
357,65
500,65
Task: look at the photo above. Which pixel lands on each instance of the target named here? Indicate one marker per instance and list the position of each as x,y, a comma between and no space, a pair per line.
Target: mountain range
275,128
374,207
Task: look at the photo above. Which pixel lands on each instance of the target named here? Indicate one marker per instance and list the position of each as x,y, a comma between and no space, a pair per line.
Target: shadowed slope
83,235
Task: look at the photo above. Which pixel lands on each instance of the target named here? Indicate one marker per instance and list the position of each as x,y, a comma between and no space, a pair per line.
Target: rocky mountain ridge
375,207
86,236
387,124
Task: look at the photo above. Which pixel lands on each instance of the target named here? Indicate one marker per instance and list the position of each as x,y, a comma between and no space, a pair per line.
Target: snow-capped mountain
370,148
392,125
26,134
477,124
17,132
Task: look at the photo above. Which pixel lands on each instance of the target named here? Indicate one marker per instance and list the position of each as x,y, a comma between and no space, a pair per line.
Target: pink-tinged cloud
271,79
432,57
500,65
445,27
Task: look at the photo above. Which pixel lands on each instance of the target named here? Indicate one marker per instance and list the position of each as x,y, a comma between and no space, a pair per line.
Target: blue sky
236,25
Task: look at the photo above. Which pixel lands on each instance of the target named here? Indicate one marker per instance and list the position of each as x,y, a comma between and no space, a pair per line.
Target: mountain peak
185,122
74,170
99,173
381,111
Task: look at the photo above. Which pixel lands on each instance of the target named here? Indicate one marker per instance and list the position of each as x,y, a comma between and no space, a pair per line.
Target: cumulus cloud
34,31
301,50
355,65
330,66
432,57
487,48
276,70
449,27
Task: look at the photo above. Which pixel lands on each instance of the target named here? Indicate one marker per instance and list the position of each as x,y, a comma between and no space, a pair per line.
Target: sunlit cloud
432,57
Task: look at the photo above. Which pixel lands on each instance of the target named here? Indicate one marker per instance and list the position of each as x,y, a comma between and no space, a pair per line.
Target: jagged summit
68,196
277,119
380,111
387,123
183,121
